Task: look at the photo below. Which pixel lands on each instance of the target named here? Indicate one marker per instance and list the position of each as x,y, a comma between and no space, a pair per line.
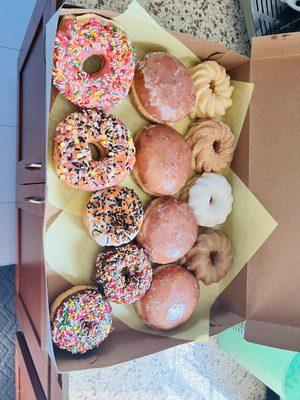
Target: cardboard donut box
266,293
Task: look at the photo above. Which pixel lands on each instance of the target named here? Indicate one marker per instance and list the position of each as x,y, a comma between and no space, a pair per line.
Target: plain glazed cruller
212,145
77,39
72,155
163,160
171,299
113,216
169,230
80,319
162,89
213,90
211,256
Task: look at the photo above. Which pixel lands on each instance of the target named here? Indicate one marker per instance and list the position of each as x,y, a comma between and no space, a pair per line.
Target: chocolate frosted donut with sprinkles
73,158
123,274
78,39
80,319
113,216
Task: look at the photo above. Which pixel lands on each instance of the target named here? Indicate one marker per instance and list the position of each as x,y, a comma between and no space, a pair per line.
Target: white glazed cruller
211,199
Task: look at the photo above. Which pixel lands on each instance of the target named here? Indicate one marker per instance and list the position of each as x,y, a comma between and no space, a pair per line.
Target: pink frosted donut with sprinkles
80,319
73,158
77,39
123,274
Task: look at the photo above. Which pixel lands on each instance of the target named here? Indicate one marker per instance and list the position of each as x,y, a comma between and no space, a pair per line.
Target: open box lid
272,134
273,282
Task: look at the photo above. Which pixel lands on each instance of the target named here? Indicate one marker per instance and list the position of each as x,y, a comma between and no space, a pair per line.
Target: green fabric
278,369
292,380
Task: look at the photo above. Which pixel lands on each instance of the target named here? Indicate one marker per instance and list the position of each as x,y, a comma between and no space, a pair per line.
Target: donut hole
97,151
213,255
216,146
93,64
212,86
127,277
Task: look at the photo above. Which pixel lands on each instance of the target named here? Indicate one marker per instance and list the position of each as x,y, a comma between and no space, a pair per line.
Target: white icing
211,199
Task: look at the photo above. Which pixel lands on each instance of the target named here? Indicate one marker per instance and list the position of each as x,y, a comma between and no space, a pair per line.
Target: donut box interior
265,293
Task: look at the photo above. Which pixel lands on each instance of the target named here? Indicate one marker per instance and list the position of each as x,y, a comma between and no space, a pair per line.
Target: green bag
278,369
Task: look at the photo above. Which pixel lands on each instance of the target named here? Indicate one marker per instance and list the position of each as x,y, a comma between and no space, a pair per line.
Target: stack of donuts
153,257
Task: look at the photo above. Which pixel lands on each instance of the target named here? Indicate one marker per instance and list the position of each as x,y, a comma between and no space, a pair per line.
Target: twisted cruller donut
213,90
212,145
73,158
113,216
80,319
77,39
211,256
124,274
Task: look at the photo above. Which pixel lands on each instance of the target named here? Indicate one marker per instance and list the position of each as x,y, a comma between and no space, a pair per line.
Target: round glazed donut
162,89
212,145
211,256
163,160
171,299
113,216
77,39
211,199
73,158
80,319
123,274
169,230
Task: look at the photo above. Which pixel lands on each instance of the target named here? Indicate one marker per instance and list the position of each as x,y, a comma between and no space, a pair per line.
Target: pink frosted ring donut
72,156
77,39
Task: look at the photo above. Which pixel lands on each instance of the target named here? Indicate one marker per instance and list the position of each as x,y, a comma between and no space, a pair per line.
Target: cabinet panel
30,274
28,386
31,104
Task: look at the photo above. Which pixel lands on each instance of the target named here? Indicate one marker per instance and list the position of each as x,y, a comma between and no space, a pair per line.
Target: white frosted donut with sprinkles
77,39
72,156
113,216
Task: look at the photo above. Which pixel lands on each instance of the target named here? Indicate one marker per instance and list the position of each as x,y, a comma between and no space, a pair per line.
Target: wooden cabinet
30,274
31,100
35,375
28,386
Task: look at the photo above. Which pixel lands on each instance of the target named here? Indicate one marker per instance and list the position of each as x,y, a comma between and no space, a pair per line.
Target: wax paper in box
248,226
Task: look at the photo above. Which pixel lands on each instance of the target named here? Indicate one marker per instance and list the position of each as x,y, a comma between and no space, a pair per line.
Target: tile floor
8,327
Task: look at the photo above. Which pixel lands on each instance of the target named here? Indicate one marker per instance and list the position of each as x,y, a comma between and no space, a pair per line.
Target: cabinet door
30,275
31,100
28,386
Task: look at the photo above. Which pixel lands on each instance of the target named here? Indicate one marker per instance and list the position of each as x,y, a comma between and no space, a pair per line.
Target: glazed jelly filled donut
78,39
73,158
123,274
